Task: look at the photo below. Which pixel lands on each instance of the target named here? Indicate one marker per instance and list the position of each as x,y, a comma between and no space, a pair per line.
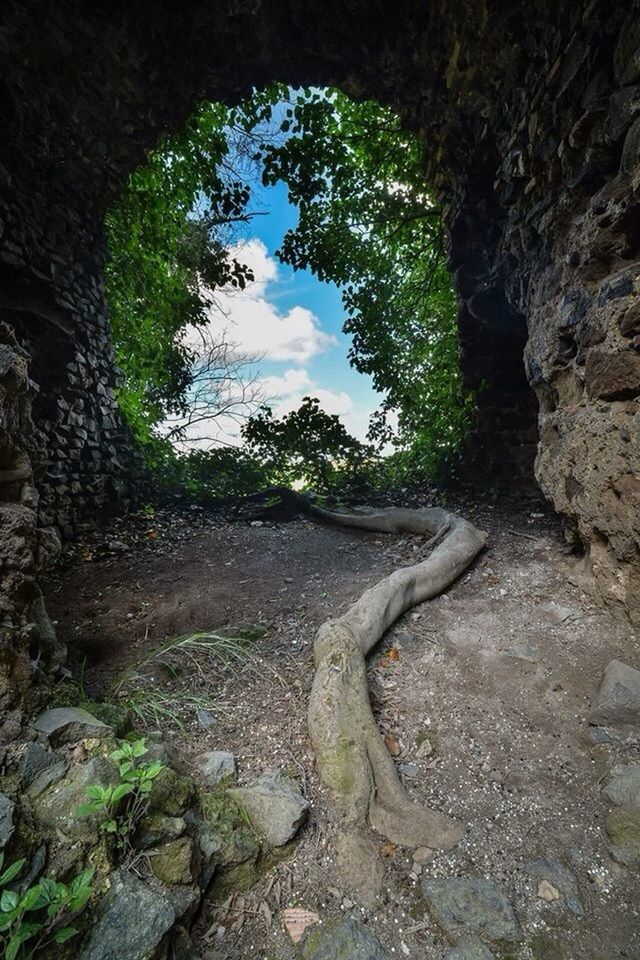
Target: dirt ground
487,695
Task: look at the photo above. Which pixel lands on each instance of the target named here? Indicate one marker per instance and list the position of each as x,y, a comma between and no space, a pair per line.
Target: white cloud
292,381
256,326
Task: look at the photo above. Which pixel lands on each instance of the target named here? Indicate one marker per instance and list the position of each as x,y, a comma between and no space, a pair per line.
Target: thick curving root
352,758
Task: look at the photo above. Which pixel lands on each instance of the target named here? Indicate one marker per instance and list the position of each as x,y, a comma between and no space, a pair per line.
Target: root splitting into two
352,758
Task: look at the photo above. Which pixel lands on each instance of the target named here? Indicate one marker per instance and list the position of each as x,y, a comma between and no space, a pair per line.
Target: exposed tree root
352,758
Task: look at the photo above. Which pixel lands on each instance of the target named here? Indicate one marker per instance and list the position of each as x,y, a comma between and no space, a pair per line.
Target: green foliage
136,781
306,447
367,222
33,919
167,239
217,474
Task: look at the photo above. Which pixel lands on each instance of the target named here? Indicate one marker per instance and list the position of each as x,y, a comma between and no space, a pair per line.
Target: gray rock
157,749
275,807
7,806
47,777
409,770
470,904
524,651
343,940
35,760
215,765
600,735
561,878
469,949
68,724
157,828
36,867
554,613
618,699
205,719
132,920
56,808
624,787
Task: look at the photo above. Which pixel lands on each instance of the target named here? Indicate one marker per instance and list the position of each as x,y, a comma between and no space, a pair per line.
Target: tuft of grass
186,663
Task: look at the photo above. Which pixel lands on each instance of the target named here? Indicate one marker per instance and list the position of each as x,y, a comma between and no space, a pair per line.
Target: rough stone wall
560,148
529,114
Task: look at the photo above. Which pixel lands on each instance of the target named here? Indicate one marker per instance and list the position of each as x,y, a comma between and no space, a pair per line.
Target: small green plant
39,916
136,781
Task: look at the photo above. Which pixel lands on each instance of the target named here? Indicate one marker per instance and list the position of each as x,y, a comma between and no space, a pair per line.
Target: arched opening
529,116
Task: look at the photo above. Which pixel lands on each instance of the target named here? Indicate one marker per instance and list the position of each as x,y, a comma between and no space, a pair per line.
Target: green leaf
49,889
32,899
96,792
121,791
65,934
87,809
9,900
12,871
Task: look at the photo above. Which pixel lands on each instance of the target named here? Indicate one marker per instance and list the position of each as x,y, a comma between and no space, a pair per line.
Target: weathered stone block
612,376
618,698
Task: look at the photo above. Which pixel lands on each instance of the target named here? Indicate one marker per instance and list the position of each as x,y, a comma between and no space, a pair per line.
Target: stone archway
531,118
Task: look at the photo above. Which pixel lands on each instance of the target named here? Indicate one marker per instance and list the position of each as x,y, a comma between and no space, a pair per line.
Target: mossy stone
623,827
172,863
113,714
171,793
158,828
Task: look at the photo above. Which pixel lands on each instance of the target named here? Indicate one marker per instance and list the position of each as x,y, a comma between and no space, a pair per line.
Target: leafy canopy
168,238
365,221
306,447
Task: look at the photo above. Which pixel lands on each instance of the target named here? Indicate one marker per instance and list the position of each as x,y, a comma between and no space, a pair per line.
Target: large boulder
57,807
274,805
343,940
132,920
69,724
464,905
618,699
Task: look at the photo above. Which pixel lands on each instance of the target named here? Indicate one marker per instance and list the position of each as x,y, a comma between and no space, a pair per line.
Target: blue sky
329,368
293,323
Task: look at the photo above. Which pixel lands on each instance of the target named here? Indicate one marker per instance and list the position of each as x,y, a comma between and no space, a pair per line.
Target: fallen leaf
388,850
393,654
265,911
296,920
392,744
